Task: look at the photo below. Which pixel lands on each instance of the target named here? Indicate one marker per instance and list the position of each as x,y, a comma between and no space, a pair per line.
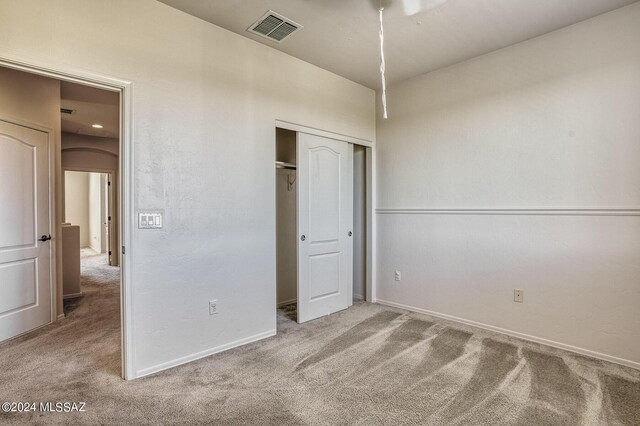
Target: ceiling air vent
67,111
274,26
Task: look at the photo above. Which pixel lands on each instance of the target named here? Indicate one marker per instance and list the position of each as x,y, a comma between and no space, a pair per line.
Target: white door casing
325,221
25,261
107,224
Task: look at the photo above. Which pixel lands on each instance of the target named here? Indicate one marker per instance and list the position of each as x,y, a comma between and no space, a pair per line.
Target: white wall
551,123
77,203
205,104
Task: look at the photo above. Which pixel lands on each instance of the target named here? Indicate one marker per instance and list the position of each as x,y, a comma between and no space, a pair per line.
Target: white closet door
25,249
325,221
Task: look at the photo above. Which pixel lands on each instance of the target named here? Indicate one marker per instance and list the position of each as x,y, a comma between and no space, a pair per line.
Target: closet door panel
325,222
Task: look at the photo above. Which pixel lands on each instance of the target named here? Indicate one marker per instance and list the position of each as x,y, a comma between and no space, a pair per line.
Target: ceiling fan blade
411,7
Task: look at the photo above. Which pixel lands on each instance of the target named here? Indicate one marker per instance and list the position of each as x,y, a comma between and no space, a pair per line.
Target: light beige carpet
367,365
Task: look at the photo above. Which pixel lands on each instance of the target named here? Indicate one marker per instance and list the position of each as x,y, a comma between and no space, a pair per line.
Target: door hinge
109,218
109,252
108,183
122,249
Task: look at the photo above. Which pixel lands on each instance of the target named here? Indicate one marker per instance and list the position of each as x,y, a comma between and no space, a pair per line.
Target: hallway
97,280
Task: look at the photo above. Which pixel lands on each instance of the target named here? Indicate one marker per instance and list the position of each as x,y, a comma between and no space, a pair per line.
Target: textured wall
205,103
470,151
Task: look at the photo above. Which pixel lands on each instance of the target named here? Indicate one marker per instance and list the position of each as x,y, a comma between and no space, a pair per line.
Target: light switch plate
213,307
150,220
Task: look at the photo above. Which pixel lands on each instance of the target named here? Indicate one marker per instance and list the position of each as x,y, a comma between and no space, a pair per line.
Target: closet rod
283,165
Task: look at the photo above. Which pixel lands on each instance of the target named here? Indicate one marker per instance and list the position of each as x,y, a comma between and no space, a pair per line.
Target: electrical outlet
518,295
398,275
213,307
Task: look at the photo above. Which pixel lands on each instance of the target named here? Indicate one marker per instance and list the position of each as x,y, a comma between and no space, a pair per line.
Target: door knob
302,238
350,233
45,238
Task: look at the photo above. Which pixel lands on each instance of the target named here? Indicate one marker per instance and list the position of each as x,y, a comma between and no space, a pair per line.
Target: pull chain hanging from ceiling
384,86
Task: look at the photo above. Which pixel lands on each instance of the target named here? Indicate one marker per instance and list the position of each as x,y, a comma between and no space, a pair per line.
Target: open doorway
90,149
322,202
60,149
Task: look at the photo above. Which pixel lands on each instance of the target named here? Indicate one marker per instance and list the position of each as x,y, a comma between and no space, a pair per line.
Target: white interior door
25,290
325,221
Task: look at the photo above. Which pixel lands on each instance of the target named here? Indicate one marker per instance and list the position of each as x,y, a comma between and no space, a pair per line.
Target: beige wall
36,100
77,203
89,152
84,206
508,171
205,104
286,240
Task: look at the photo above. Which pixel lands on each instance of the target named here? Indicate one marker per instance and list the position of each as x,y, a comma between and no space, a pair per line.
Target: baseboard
60,316
185,359
570,348
286,302
71,296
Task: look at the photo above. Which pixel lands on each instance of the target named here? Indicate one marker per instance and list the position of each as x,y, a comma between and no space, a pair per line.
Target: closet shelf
283,165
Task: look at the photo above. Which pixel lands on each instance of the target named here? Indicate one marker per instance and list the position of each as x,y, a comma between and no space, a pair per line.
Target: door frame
111,172
370,163
126,215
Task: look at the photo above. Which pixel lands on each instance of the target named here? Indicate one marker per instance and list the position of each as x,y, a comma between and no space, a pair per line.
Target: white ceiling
91,106
342,35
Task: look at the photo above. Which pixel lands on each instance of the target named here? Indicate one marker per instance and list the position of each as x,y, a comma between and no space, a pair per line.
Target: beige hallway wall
77,203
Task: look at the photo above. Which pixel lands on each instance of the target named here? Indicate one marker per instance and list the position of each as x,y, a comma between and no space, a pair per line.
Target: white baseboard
60,316
286,302
71,296
570,348
202,354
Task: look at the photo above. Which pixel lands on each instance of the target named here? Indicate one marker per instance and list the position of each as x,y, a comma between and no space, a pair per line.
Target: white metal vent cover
274,26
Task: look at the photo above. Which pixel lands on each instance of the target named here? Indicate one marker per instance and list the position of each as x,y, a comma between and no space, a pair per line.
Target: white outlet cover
518,295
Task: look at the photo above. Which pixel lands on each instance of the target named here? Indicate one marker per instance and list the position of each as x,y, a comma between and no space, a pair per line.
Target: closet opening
286,228
359,223
322,255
